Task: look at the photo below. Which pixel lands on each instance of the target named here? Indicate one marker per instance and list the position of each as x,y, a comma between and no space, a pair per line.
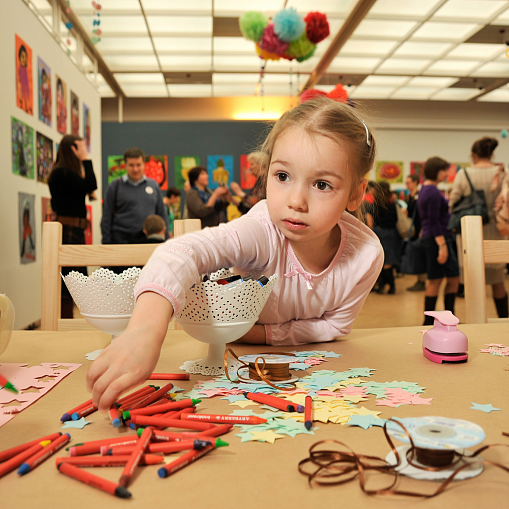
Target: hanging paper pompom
300,48
267,55
252,24
504,133
317,27
309,55
311,93
270,41
288,25
338,93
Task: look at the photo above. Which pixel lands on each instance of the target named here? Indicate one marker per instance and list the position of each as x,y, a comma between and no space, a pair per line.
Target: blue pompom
288,24
504,133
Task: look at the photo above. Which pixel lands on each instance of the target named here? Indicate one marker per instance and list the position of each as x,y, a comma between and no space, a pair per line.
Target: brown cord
266,373
333,467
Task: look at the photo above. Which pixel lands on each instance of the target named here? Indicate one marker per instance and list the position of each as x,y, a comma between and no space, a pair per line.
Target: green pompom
252,24
300,48
309,55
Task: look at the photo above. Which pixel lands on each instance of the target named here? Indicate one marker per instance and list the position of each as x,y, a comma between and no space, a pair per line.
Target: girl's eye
323,186
281,176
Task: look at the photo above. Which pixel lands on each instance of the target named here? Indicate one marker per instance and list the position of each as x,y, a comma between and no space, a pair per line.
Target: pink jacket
303,307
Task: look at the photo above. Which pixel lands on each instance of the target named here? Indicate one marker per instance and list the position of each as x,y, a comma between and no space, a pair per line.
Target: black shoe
461,291
420,286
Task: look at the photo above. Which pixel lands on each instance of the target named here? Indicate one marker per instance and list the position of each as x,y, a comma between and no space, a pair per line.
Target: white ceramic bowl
109,324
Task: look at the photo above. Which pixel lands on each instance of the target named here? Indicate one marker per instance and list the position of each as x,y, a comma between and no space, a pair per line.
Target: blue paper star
484,408
365,421
79,424
235,397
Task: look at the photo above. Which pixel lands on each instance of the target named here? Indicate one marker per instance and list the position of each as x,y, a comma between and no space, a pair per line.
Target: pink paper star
499,345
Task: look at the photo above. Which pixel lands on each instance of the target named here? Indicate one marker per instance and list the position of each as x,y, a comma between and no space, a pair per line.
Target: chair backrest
476,253
56,255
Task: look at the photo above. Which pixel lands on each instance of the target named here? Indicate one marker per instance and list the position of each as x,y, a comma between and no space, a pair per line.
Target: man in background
129,200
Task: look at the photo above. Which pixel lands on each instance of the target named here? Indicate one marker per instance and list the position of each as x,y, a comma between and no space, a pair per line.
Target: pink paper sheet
32,383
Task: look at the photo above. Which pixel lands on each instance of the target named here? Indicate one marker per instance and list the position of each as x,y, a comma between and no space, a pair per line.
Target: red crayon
13,451
153,397
110,461
83,411
148,420
168,376
308,413
159,447
67,415
94,446
139,449
114,417
93,480
30,463
218,431
17,460
136,395
232,419
187,458
270,400
165,407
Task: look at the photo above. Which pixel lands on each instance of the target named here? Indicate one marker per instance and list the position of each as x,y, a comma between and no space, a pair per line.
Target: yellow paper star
354,398
265,436
364,411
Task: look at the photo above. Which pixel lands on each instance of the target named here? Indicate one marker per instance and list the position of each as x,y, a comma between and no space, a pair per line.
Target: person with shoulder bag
485,176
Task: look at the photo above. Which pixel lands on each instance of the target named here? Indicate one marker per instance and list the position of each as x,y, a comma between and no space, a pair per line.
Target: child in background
172,206
325,258
154,230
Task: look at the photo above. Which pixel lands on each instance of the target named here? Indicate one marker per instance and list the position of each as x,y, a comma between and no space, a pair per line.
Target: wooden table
260,475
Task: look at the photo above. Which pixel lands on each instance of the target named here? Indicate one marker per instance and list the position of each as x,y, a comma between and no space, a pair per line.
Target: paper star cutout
498,345
245,437
484,408
243,412
365,421
265,436
79,424
235,397
244,403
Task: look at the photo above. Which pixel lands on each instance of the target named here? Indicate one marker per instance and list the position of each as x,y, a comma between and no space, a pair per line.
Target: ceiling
444,50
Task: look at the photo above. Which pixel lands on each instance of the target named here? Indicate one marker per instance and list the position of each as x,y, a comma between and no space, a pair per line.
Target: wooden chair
477,252
56,255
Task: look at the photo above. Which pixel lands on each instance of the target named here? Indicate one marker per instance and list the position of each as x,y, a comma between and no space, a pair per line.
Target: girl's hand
443,254
131,358
79,147
92,196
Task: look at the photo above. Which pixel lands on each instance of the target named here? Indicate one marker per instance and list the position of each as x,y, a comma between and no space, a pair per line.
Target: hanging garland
96,23
287,35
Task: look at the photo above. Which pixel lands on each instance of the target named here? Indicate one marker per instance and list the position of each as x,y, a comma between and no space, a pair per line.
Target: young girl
326,259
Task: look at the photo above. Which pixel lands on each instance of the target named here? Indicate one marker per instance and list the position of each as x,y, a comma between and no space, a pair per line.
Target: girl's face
23,59
203,179
309,186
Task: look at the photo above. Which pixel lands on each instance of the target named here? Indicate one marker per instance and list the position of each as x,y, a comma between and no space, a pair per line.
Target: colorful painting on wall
47,212
75,114
389,171
220,169
44,148
27,227
453,169
44,74
24,84
61,106
86,125
156,167
417,168
88,231
247,179
182,166
23,160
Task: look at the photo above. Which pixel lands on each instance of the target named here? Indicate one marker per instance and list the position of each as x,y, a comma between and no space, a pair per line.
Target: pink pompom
270,41
317,27
311,93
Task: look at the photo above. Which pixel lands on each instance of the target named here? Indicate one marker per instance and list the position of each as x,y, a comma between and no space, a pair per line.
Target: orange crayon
136,394
67,415
32,462
94,446
93,480
159,447
148,420
109,461
168,376
16,461
13,451
161,408
134,459
308,412
153,397
231,419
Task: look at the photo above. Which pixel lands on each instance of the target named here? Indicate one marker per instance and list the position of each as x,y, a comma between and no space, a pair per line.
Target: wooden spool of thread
272,372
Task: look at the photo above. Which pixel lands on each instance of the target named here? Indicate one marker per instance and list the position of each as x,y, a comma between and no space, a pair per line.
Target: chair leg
502,307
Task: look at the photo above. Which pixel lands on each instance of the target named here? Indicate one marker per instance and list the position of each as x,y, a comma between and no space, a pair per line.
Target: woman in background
481,174
201,202
381,217
71,179
437,241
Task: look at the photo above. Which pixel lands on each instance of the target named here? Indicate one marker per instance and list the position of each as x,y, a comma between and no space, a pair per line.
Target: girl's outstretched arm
131,358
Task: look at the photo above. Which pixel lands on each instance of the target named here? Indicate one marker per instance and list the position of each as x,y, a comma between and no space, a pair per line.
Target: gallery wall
20,276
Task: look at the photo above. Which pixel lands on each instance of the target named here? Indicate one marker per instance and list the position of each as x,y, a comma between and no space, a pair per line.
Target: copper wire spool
272,372
433,457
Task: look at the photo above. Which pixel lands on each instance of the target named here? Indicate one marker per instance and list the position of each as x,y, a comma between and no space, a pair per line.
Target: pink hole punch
444,343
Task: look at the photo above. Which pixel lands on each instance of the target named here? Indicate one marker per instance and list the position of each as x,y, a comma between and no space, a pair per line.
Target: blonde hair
339,122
